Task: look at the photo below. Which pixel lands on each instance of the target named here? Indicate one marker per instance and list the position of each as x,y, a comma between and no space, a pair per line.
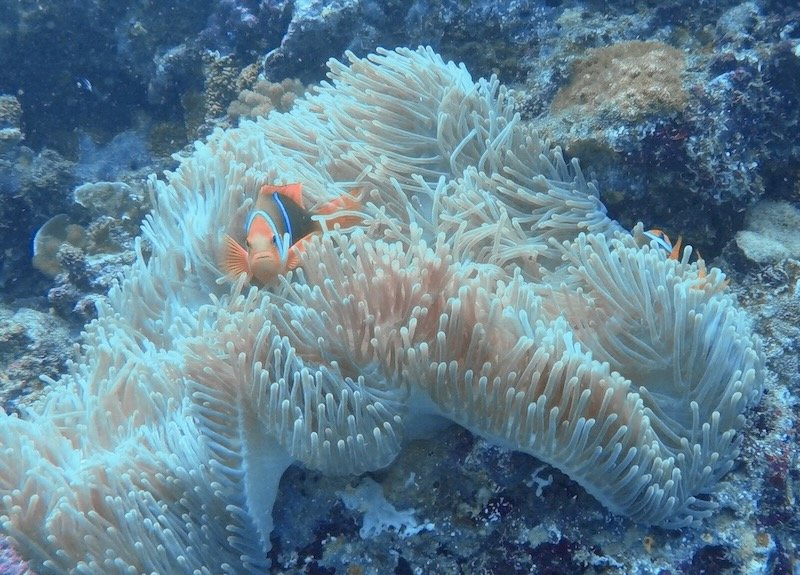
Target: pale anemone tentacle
486,285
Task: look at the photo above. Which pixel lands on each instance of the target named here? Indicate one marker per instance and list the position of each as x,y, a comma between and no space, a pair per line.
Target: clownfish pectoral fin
234,259
345,202
297,250
292,191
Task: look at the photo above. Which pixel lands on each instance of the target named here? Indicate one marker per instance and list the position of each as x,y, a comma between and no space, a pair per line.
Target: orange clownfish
275,232
662,241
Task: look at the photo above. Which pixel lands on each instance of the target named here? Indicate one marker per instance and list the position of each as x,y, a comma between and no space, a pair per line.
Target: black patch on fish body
299,219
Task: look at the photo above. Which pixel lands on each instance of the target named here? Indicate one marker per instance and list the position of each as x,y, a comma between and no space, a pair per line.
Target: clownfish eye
275,240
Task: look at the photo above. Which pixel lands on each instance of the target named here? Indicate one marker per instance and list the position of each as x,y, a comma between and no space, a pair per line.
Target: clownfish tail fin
344,203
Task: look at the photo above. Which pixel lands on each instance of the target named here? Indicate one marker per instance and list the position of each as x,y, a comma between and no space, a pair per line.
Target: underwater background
685,114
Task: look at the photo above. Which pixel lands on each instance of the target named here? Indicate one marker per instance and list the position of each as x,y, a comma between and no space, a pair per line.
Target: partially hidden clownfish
662,241
276,231
673,251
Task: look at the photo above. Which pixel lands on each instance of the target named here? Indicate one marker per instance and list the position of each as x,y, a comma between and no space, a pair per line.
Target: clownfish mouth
261,256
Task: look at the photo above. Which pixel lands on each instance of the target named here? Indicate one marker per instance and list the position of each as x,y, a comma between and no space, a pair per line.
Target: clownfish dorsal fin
675,253
234,258
292,191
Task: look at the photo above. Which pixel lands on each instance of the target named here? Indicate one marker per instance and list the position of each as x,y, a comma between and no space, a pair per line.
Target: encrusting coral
628,80
263,97
486,285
